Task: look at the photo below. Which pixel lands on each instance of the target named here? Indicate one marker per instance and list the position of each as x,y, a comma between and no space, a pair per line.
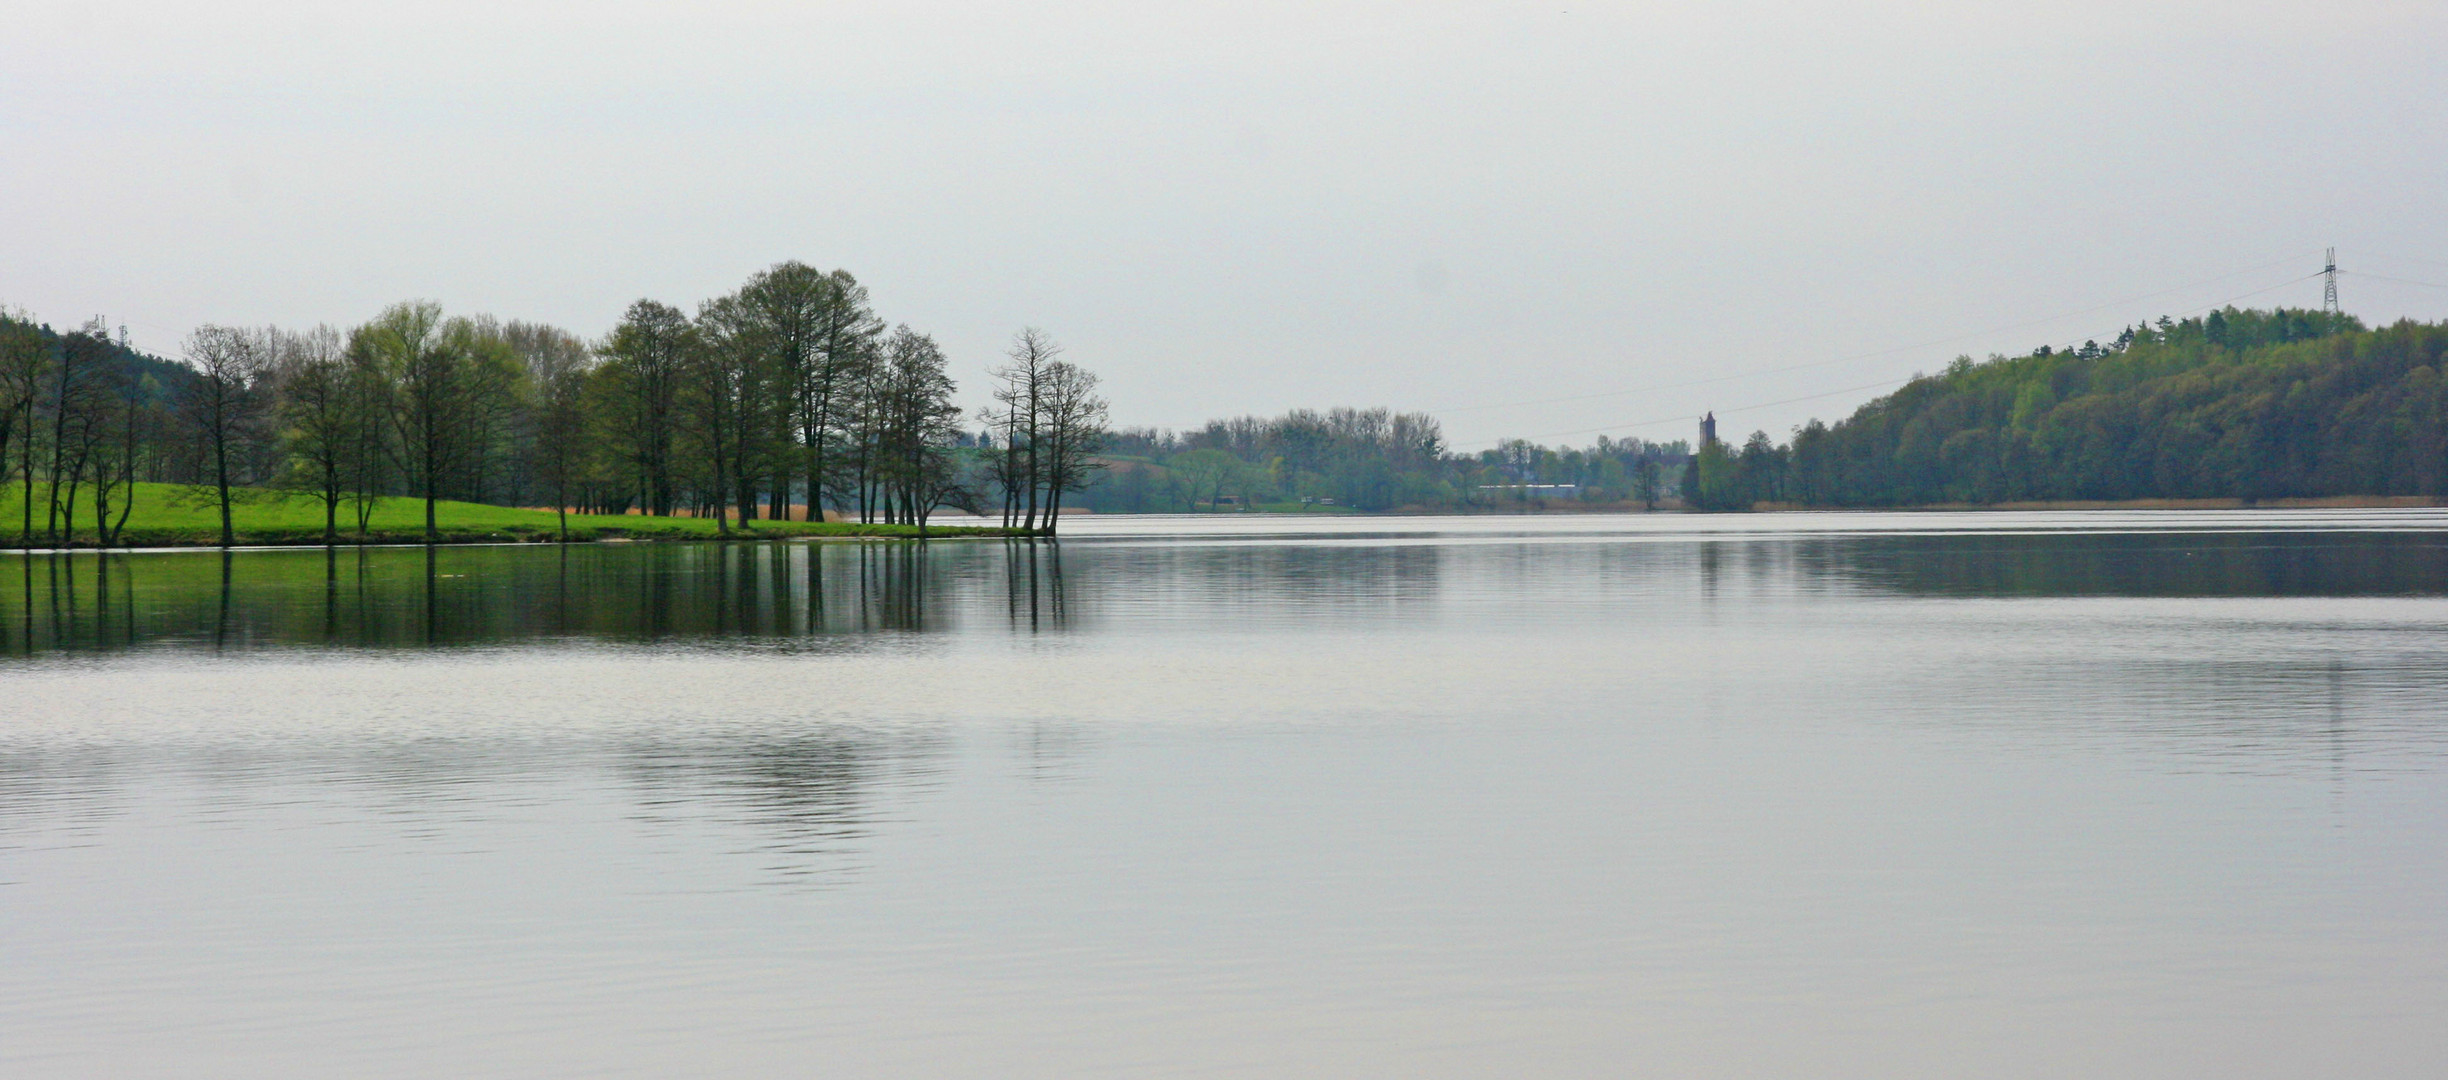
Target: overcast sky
1247,207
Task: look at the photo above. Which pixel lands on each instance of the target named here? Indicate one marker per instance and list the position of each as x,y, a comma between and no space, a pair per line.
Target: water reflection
444,597
1033,588
808,798
440,597
2110,564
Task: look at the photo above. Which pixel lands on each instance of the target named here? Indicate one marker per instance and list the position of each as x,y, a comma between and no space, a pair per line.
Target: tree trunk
1029,523
221,481
25,531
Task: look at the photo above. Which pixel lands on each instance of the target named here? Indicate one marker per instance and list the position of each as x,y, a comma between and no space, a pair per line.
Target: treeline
2235,404
85,415
787,398
1367,460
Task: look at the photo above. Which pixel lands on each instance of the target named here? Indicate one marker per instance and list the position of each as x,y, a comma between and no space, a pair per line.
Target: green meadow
178,515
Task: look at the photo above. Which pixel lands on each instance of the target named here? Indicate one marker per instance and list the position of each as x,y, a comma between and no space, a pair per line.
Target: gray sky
1246,207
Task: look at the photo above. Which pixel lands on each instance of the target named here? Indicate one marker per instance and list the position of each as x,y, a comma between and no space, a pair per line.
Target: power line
2399,258
2398,280
1869,386
1712,380
1729,412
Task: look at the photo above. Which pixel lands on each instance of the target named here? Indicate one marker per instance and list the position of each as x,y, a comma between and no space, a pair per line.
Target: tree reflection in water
2135,564
446,597
1033,585
468,596
810,798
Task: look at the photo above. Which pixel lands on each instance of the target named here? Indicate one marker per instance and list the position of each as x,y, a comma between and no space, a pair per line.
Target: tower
2329,284
1708,429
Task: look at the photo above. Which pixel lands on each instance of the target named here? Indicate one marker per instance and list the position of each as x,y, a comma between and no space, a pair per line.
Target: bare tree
1003,462
1072,421
1018,390
122,422
85,430
79,361
221,401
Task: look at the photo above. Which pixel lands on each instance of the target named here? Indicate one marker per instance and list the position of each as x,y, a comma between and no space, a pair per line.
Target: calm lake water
1994,795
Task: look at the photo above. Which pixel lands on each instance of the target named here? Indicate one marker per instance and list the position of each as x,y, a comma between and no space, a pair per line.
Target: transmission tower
2329,284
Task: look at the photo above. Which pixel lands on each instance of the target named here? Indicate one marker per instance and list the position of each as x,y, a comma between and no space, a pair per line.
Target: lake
1840,795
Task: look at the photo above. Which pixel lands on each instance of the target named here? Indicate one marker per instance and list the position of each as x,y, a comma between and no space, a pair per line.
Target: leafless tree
78,362
1019,388
1072,420
120,427
220,403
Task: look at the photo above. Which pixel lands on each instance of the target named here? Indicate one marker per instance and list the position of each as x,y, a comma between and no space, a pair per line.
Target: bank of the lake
177,515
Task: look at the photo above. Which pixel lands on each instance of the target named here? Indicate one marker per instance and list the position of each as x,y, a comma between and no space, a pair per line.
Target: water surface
1784,795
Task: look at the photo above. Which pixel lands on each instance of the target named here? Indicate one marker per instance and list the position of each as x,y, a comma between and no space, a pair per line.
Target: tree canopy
2234,404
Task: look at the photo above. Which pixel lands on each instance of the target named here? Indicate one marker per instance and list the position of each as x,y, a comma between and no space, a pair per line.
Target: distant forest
1367,460
791,392
2236,404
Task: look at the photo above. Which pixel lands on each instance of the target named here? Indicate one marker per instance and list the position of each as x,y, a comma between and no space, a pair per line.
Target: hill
2235,405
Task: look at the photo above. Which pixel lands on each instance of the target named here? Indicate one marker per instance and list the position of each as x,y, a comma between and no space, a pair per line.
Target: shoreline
174,516
780,531
284,541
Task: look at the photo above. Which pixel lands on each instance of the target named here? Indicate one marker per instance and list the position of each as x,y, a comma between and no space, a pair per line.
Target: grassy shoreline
174,515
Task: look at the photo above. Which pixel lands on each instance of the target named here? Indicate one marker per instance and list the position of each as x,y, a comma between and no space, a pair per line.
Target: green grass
176,515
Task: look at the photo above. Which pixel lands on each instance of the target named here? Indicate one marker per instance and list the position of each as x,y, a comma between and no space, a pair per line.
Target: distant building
1708,438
